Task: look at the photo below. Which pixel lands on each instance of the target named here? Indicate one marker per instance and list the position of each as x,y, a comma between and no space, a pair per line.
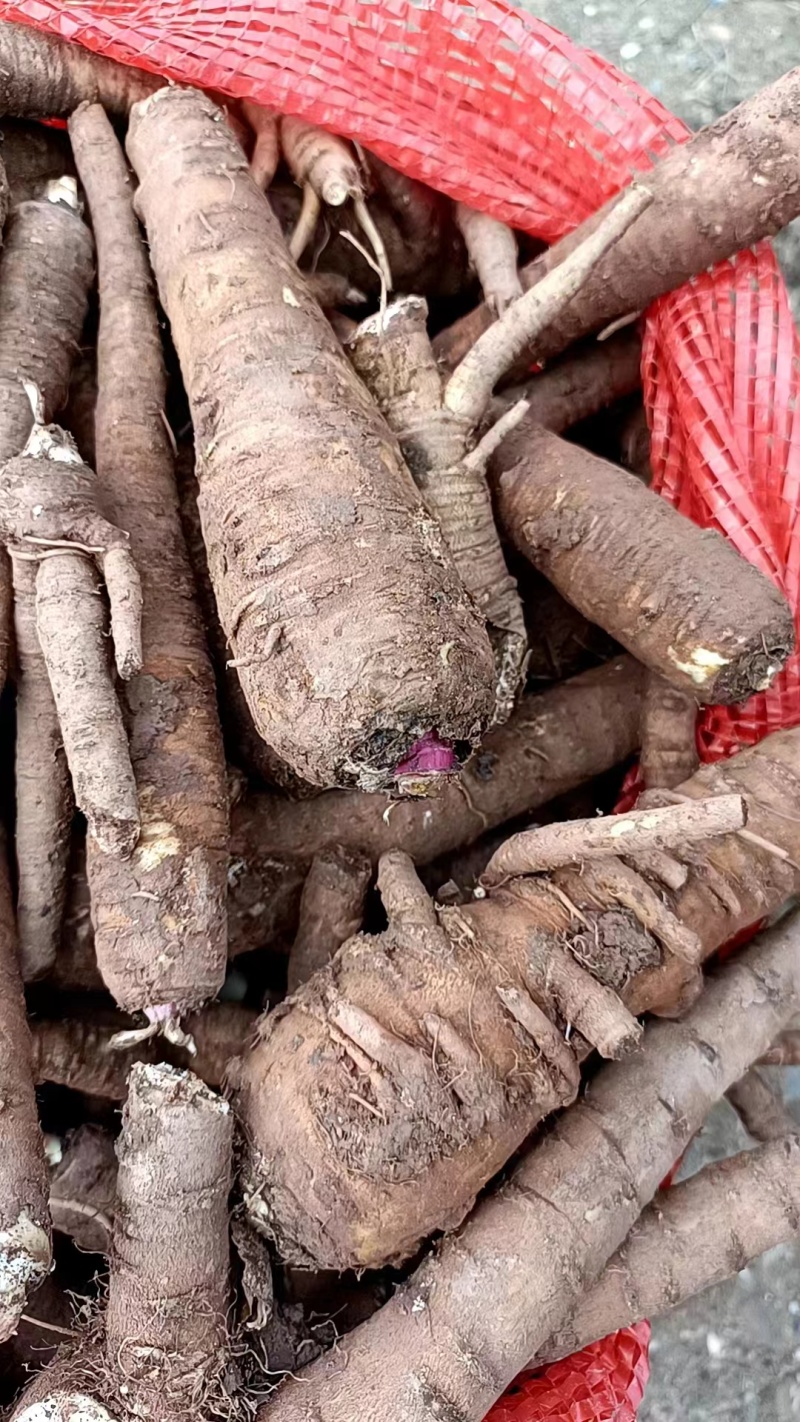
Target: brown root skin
690,226
785,1051
71,627
77,1052
410,1160
761,1109
24,1217
552,743
33,154
425,250
159,917
523,325
46,270
165,1323
45,77
475,1311
679,597
571,389
266,150
83,1189
338,708
573,842
44,801
669,752
394,357
331,911
694,1235
492,249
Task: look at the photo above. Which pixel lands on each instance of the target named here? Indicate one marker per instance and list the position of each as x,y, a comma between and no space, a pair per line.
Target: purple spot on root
162,1013
429,756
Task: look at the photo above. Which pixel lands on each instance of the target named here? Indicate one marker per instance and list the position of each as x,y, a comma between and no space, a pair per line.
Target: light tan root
492,249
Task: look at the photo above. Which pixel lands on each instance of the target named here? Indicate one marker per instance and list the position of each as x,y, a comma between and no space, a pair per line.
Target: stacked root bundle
326,655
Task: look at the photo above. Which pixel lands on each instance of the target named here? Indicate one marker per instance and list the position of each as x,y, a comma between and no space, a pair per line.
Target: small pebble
715,1345
630,50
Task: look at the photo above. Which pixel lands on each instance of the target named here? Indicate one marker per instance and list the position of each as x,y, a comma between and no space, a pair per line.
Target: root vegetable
159,917
394,357
785,1051
573,388
78,1052
454,1071
477,1310
49,515
640,831
163,1350
669,746
678,596
83,1189
436,423
266,150
243,744
45,274
340,696
761,1109
552,743
24,1216
45,77
492,249
33,155
331,911
43,790
691,224
693,1236
165,1323
327,171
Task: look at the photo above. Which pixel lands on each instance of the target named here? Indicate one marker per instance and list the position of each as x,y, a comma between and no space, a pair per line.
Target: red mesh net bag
496,108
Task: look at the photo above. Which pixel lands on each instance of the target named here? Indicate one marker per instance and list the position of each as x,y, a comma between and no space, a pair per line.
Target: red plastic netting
496,108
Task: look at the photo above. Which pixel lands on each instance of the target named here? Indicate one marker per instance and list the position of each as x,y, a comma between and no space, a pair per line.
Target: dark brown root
679,597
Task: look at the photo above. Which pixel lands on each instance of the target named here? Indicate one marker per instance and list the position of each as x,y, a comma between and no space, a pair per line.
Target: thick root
160,927
679,597
70,624
24,1217
693,1236
476,1310
44,77
691,225
395,1125
393,355
331,911
165,1323
43,792
421,660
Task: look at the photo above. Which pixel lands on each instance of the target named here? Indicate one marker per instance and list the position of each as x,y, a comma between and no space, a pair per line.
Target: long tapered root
492,249
43,792
71,627
693,1236
24,1218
